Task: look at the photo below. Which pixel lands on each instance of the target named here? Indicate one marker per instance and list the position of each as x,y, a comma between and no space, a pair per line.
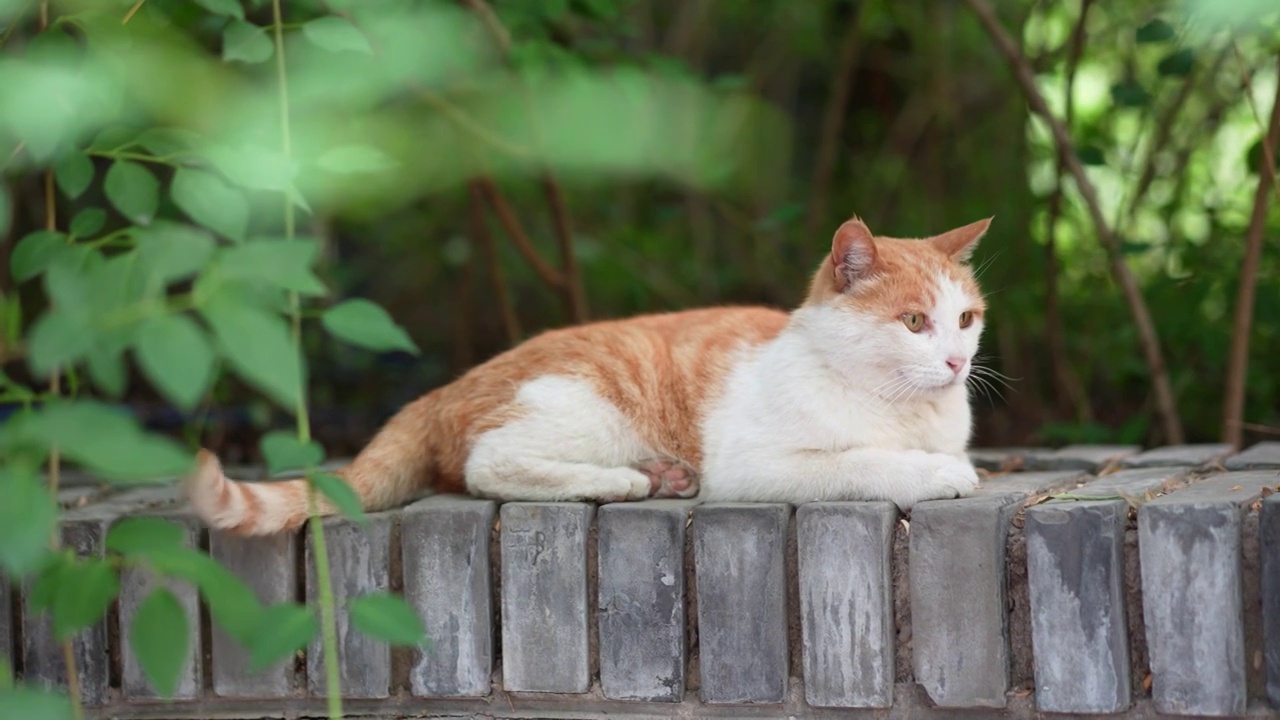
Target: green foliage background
186,264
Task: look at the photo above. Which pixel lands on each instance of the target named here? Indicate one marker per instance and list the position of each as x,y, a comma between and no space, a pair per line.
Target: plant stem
328,614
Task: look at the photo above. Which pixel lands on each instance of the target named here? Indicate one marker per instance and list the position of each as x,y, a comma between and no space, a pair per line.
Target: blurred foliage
686,139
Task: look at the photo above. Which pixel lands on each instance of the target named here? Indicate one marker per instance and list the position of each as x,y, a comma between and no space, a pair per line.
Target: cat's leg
569,443
904,477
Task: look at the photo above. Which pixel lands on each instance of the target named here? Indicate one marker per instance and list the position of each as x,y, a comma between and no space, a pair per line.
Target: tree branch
1238,359
833,121
567,280
507,217
484,241
1149,339
1070,389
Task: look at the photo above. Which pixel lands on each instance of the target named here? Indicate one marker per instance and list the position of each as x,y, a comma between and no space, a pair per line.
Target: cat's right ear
853,253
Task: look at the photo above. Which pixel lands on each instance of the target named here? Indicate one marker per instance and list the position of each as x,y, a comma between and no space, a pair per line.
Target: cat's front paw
942,477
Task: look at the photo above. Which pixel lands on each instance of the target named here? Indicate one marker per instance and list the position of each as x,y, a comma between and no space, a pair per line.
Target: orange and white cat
858,394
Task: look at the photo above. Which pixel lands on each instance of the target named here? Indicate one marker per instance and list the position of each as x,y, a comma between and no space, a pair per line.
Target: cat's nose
957,363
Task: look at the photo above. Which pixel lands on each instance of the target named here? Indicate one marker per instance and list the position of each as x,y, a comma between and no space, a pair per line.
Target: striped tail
391,470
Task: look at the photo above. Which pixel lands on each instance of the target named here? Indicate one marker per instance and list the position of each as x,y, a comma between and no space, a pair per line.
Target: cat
858,394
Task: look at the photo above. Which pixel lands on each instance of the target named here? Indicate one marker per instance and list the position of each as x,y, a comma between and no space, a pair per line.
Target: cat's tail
391,470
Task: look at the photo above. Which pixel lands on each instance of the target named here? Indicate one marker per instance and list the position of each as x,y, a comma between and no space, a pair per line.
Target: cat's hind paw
669,478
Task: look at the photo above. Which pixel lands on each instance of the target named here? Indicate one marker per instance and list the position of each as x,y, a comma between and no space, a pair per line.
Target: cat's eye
913,321
966,318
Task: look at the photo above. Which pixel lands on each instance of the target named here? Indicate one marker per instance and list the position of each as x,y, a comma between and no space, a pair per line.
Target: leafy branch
1166,405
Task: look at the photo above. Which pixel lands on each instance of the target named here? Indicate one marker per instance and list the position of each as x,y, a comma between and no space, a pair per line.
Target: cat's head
903,315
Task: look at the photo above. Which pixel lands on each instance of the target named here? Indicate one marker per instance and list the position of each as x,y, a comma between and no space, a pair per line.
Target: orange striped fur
661,372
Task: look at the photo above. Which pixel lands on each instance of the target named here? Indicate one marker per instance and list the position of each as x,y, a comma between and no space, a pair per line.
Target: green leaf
355,159
106,369
168,141
281,631
1255,156
84,593
88,222
1154,31
44,592
363,323
133,190
336,35
1090,155
340,494
28,517
35,704
74,174
252,166
283,451
209,201
389,618
6,211
142,535
174,251
177,357
283,263
109,443
246,42
232,604
223,7
1133,247
60,338
35,253
1129,94
1177,64
258,347
159,640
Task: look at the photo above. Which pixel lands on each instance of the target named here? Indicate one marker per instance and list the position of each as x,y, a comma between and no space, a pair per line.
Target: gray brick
1269,530
135,586
445,554
959,616
268,565
999,459
641,606
544,597
360,564
83,530
1075,569
1263,455
1179,455
1081,457
1191,554
740,570
846,602
1134,483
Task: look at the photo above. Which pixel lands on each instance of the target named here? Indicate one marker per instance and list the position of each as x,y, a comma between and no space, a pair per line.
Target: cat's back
661,370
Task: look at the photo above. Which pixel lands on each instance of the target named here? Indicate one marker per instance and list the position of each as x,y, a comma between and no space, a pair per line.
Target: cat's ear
959,244
853,253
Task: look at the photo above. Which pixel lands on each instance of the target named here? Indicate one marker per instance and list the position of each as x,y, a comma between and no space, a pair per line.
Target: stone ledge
1025,598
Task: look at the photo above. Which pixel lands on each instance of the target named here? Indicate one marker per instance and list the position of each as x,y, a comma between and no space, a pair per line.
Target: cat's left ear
959,244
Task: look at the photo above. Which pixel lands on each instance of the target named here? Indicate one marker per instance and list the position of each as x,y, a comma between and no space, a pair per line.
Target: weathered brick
83,530
1263,455
136,585
360,564
544,597
846,603
1179,455
1191,549
268,565
1079,630
641,606
957,572
999,459
1269,530
445,555
740,572
1081,457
